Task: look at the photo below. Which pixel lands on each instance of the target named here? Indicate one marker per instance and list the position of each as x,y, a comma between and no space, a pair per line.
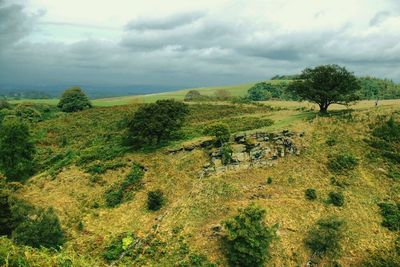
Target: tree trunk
323,108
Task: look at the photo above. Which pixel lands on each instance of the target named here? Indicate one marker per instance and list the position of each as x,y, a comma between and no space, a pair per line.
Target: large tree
156,122
326,85
16,149
74,99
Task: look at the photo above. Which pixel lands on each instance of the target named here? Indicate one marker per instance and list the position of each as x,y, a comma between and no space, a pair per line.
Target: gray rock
189,148
217,162
239,138
240,157
238,148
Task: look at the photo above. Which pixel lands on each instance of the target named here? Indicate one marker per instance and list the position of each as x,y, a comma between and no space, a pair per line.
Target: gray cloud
166,23
196,49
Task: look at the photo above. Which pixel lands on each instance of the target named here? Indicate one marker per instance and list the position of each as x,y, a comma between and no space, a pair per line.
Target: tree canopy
156,122
74,99
326,85
16,149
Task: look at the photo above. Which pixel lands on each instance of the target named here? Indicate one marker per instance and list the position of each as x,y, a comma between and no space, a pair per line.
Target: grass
195,205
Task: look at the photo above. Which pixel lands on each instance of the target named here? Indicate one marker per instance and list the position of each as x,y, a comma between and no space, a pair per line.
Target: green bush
155,200
194,95
226,152
247,238
324,238
113,197
73,100
41,230
310,194
391,215
220,131
156,122
117,246
331,141
342,163
6,217
28,113
4,104
16,150
336,198
269,180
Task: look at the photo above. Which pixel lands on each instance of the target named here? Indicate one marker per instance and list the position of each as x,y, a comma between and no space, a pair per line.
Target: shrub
155,200
43,229
226,152
74,99
156,122
117,246
222,94
391,215
28,113
194,95
269,180
331,141
220,131
324,238
4,104
113,197
247,238
311,194
16,150
336,198
6,218
342,163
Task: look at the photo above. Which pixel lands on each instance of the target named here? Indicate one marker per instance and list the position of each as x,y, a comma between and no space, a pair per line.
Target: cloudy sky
192,43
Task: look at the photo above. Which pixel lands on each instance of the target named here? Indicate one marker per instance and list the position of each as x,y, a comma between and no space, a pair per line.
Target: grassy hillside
235,90
80,156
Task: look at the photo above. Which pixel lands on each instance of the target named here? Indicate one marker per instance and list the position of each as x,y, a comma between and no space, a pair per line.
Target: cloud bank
232,42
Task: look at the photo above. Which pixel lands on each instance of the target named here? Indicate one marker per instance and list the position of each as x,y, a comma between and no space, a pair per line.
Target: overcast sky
192,43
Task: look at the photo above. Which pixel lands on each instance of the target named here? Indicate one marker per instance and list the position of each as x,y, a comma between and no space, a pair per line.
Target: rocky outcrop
257,150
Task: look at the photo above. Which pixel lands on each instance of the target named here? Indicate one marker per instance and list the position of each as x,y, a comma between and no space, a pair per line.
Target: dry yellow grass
197,204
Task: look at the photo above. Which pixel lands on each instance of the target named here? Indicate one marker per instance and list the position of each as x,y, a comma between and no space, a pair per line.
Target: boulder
238,148
239,138
240,157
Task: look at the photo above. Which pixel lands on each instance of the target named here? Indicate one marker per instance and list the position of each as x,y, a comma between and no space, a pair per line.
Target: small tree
74,99
43,229
247,238
193,95
222,94
325,237
220,131
156,122
16,149
326,85
260,92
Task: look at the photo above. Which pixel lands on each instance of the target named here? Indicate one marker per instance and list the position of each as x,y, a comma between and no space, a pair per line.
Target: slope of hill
81,157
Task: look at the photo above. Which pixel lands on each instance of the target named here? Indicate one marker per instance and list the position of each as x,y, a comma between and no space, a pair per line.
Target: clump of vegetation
324,238
29,225
220,131
4,104
194,95
16,150
226,152
247,238
269,180
132,182
156,122
41,230
265,91
331,141
336,198
222,95
326,85
155,200
342,162
28,113
310,194
391,215
73,100
117,246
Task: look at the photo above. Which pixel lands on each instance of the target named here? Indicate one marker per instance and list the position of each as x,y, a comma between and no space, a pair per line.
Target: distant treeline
371,88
